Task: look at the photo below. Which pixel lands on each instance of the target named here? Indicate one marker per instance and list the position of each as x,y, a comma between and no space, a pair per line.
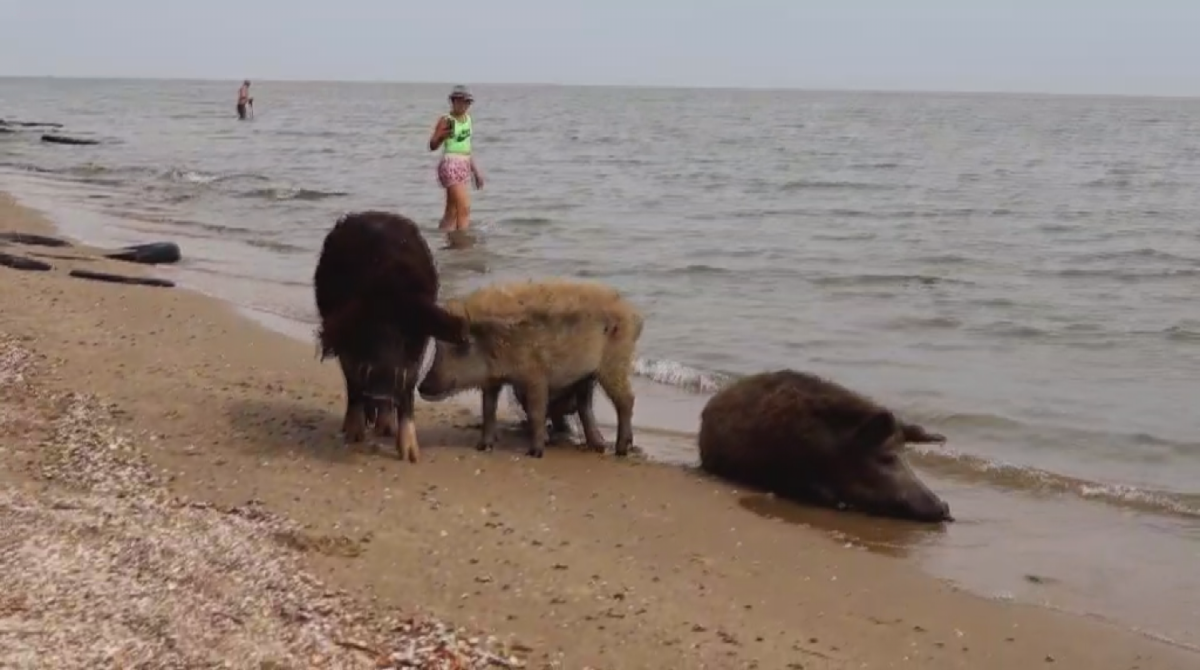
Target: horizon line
700,87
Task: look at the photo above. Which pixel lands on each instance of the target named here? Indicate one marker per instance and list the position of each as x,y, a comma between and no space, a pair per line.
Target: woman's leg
461,195
446,178
455,175
448,214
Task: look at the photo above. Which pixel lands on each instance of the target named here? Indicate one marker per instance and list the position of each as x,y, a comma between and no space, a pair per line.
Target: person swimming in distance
244,100
452,133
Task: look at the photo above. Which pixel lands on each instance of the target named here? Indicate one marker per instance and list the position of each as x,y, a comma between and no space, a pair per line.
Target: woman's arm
476,173
441,130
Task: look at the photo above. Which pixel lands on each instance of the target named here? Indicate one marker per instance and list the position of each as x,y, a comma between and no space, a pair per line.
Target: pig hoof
622,449
535,452
406,441
484,446
356,435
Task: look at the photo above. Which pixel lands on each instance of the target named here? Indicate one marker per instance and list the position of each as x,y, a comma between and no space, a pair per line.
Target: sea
1018,272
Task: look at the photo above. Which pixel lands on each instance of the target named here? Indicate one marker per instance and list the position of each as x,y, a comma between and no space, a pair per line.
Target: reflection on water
461,262
1010,548
891,537
460,239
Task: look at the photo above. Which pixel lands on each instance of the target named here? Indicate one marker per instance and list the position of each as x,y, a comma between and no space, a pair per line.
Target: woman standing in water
453,133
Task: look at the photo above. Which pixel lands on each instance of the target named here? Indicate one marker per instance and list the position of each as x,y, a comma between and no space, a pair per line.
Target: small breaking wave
277,246
679,375
284,193
813,184
881,165
194,176
526,221
1125,276
884,280
1139,254
229,182
946,461
25,167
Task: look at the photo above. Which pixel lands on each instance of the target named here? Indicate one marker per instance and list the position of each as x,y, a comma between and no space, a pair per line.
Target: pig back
776,428
739,436
367,254
373,267
564,329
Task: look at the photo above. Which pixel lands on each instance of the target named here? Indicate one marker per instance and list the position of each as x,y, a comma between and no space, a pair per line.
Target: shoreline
656,554
673,392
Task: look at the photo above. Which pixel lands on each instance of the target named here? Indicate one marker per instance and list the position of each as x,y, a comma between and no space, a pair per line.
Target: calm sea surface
1018,272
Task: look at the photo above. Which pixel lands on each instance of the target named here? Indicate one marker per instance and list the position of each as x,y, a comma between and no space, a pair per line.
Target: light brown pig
543,338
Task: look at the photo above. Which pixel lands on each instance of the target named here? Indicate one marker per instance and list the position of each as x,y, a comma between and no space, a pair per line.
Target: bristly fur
514,304
376,289
376,278
546,335
790,432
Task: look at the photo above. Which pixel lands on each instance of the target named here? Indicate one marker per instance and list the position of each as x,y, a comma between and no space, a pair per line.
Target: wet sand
588,561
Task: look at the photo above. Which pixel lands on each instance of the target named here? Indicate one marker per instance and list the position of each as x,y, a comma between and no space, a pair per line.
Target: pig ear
918,435
873,433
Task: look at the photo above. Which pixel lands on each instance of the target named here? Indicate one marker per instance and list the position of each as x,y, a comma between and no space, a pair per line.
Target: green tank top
459,141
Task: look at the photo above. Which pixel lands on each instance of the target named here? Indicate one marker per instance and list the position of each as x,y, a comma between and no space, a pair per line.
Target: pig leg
537,397
557,412
559,425
491,400
564,404
618,389
354,423
592,438
385,419
406,432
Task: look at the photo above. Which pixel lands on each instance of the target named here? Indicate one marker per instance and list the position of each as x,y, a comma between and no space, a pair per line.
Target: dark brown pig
809,439
542,338
376,291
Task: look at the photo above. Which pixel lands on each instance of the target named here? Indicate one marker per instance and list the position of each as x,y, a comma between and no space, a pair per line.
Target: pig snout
901,495
438,386
926,506
432,389
941,511
431,386
946,515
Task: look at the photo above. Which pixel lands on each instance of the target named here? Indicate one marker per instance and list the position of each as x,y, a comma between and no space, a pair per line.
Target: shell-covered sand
102,567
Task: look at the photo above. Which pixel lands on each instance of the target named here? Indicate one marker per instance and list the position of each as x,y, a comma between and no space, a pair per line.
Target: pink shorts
453,170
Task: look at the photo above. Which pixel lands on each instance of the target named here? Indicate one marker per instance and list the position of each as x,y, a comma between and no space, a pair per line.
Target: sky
1056,46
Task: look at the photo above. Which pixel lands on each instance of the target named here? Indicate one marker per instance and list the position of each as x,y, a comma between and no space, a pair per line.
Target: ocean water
1017,272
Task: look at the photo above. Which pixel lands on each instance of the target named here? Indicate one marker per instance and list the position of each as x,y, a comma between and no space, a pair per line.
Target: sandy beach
229,449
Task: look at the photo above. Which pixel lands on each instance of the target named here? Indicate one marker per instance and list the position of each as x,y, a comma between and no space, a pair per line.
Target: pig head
869,472
457,366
